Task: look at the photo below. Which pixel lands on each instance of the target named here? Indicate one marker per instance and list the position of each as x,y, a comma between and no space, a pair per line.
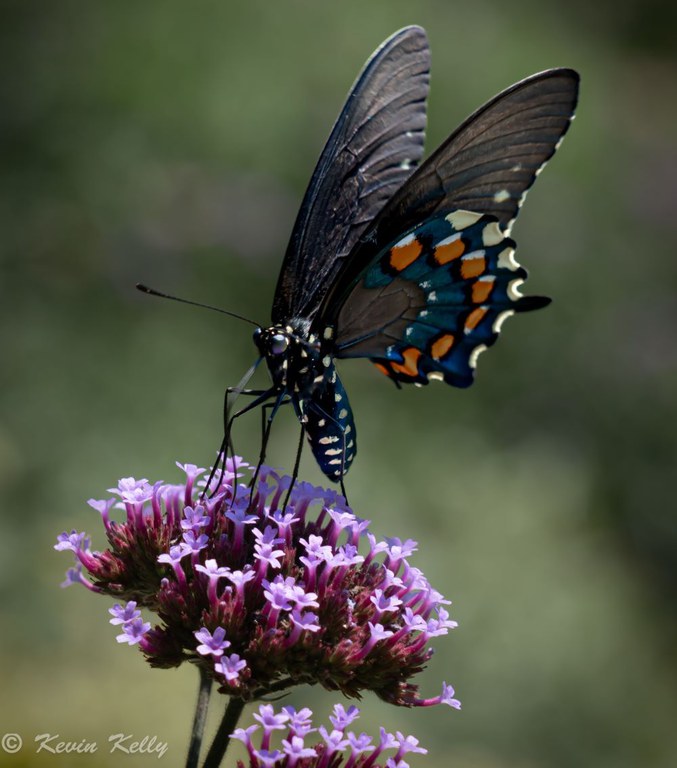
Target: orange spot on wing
446,253
481,290
472,267
401,256
475,317
383,369
441,346
409,367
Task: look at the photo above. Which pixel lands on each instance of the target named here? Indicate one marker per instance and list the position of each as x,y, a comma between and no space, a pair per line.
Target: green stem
199,720
228,724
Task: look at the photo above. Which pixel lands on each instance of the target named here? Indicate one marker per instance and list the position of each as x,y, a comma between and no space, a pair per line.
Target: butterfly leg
228,425
297,462
260,395
240,389
267,423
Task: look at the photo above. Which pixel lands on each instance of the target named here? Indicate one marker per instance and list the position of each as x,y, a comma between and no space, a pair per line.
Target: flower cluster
263,587
335,747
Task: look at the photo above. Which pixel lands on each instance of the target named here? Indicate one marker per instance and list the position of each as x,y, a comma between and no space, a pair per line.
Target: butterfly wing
434,300
374,146
440,274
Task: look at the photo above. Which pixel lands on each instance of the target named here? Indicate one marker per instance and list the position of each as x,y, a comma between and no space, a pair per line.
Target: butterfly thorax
301,365
293,355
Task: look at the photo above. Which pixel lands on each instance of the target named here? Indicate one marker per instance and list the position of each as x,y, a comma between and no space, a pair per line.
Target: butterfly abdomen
329,424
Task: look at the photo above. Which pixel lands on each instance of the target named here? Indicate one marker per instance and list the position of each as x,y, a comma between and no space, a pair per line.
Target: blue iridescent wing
375,145
435,269
435,299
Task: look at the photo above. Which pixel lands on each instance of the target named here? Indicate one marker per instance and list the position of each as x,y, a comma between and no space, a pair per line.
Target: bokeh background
171,142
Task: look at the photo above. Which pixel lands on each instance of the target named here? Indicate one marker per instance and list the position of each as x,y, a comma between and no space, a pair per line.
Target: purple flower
213,572
133,631
194,519
230,667
73,541
195,543
264,594
133,491
342,718
295,749
212,644
299,722
175,555
278,742
123,614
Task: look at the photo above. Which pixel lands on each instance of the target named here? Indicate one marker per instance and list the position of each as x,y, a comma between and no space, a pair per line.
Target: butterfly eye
279,344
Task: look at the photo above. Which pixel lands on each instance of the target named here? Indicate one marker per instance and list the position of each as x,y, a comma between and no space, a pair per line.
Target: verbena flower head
261,597
283,740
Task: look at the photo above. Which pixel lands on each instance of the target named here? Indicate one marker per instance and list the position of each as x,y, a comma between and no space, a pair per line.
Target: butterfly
403,262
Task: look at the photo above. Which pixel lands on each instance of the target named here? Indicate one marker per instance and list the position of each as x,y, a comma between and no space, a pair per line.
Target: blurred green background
171,142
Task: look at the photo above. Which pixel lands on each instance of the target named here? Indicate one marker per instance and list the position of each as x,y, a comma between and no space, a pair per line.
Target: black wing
486,166
374,146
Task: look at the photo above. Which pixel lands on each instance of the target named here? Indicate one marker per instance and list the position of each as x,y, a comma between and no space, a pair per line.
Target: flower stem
199,720
228,724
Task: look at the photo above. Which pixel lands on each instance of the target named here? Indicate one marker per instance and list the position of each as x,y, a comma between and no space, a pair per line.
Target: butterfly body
302,369
406,262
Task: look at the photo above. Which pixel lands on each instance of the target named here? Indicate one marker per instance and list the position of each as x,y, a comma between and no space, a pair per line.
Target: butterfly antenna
152,292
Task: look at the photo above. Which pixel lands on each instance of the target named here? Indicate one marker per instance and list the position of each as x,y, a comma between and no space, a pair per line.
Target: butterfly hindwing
441,294
375,145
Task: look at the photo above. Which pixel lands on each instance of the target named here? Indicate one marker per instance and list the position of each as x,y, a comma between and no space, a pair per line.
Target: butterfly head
272,342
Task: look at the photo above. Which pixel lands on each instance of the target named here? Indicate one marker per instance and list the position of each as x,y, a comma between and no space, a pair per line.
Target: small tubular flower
335,747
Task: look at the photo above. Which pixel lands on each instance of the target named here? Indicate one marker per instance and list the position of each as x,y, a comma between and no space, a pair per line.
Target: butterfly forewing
374,146
486,166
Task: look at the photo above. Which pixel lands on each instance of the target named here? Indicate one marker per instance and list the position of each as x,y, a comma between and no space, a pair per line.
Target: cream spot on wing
475,354
514,289
502,317
501,196
506,259
447,240
462,219
405,240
